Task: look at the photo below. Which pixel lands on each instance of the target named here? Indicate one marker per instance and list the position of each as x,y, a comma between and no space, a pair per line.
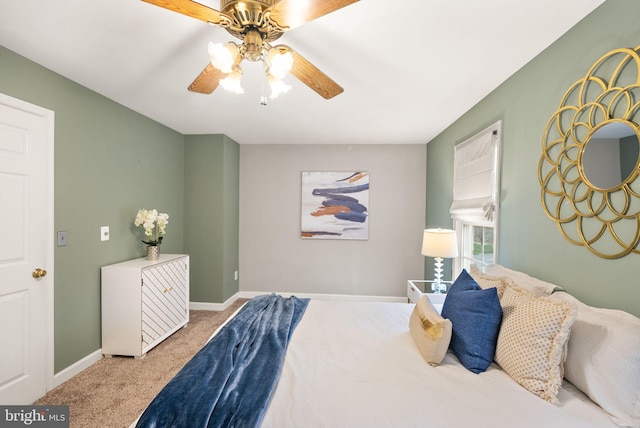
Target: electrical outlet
235,275
104,233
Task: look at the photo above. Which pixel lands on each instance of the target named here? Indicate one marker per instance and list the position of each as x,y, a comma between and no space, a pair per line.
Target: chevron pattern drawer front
143,303
164,300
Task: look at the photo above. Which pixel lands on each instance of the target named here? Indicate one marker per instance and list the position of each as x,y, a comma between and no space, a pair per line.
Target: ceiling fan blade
289,14
193,9
208,80
311,76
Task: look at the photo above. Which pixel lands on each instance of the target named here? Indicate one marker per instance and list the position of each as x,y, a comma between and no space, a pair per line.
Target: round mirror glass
610,156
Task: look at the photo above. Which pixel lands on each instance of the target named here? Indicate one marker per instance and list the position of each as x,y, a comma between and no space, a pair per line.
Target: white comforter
354,364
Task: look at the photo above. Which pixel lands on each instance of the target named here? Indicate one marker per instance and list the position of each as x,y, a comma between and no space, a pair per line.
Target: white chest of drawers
143,303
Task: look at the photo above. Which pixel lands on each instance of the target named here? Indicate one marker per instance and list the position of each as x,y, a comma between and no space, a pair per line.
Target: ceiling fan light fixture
257,23
280,61
232,82
223,56
277,86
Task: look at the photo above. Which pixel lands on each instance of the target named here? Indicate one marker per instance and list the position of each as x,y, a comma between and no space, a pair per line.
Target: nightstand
416,288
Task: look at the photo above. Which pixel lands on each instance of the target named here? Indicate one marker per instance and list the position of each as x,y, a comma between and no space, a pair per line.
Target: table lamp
439,243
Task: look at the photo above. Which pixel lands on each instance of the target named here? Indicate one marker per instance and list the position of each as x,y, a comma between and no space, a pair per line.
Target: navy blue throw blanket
230,381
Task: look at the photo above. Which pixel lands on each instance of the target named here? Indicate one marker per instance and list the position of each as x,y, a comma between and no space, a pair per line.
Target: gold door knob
39,273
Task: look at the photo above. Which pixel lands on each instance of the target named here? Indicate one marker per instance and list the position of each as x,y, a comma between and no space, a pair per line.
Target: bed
358,364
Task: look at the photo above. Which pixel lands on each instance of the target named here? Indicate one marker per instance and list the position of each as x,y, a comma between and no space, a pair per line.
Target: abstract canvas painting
335,205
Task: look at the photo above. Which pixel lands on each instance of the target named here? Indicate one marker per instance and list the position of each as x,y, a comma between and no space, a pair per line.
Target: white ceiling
409,68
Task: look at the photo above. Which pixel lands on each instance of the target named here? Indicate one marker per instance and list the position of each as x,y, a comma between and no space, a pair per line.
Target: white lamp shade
440,243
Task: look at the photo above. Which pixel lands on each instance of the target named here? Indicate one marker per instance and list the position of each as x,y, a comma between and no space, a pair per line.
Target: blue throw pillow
475,316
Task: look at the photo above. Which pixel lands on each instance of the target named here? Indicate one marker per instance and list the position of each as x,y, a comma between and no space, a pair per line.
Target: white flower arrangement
150,220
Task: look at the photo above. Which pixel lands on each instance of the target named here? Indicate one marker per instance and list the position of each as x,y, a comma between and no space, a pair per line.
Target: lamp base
438,287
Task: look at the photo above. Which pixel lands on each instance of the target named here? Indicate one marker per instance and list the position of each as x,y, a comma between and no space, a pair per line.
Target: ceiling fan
257,23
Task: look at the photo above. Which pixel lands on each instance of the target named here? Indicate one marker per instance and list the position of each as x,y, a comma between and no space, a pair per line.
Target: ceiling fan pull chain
263,97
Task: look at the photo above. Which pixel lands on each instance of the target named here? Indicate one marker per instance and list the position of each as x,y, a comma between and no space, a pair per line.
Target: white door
26,245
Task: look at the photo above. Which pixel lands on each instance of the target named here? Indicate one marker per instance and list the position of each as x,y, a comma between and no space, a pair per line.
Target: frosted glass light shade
232,82
280,61
277,87
223,56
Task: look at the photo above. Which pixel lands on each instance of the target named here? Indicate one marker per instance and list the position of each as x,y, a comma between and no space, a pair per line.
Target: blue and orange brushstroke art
334,205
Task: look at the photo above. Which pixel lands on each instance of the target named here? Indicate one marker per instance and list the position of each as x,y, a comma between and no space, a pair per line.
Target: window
477,245
476,187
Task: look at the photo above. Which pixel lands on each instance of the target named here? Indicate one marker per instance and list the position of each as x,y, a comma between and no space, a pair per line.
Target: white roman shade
476,177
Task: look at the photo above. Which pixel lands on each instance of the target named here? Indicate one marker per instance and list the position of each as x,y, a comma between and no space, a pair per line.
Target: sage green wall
109,162
528,240
211,216
231,226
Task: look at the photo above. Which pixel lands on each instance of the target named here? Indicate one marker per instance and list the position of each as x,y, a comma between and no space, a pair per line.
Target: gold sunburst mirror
590,164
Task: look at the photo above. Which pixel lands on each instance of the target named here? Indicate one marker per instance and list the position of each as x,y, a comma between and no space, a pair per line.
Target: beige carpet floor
114,391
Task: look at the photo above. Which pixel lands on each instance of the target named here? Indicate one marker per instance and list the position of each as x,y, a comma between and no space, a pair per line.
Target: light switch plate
104,233
61,238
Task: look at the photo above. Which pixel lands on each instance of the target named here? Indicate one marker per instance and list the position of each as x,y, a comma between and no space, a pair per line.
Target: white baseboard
75,368
318,296
206,306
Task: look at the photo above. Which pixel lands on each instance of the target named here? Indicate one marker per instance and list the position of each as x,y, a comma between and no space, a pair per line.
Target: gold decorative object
601,215
153,252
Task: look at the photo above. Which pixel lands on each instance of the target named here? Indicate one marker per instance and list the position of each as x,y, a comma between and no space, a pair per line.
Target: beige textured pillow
487,281
430,331
532,340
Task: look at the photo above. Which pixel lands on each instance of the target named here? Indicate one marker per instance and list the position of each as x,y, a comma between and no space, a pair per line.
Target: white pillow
529,283
603,359
430,331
